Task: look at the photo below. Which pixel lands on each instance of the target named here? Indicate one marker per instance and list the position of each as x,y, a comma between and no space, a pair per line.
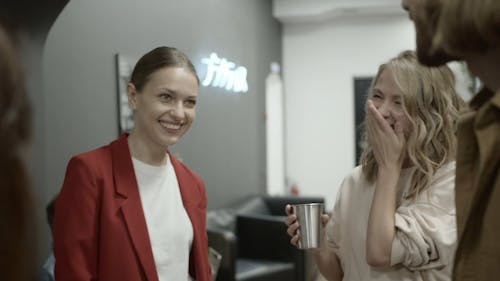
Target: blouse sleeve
76,224
332,231
426,229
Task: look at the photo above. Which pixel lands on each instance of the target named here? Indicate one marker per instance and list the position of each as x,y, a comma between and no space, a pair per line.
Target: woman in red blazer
129,210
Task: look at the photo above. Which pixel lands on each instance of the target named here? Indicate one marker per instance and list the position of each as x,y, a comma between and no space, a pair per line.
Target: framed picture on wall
361,87
124,67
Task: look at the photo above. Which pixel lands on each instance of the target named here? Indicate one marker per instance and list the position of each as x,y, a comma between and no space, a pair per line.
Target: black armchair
251,237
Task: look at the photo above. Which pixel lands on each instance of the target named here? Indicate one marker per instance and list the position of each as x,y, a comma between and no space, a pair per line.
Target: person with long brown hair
130,210
16,224
394,216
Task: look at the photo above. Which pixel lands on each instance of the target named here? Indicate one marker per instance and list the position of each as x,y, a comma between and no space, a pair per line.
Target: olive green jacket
478,190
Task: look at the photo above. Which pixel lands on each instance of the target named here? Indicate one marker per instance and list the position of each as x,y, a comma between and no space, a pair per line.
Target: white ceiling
288,11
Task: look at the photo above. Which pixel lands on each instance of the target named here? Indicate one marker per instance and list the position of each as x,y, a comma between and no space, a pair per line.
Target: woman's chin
170,140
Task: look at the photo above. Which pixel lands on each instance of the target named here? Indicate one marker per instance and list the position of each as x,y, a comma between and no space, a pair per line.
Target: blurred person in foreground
469,30
16,225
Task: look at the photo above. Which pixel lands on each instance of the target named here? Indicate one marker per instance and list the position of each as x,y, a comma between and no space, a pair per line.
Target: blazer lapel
190,199
476,188
186,185
131,206
466,170
487,165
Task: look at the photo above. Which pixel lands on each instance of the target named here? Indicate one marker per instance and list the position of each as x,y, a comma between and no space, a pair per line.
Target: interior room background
76,96
321,45
326,45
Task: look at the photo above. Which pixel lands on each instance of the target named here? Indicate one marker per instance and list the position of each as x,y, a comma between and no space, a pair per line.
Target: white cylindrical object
275,156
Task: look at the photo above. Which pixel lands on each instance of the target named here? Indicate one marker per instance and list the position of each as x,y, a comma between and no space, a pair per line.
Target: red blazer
100,231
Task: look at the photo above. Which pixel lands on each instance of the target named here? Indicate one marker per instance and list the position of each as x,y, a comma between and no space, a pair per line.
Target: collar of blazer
126,182
126,186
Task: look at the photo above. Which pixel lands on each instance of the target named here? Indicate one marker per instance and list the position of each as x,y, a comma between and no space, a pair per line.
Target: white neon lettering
222,73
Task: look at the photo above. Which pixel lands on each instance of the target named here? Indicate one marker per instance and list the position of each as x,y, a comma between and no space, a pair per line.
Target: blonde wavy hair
432,107
468,26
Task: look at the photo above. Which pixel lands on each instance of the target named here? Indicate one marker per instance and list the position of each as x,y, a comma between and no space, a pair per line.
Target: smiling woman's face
166,107
388,99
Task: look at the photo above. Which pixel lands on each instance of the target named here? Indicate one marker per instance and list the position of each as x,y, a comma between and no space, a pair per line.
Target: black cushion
263,270
250,234
225,218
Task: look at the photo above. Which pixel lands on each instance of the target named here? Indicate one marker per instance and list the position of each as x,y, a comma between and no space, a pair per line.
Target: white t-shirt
169,227
425,240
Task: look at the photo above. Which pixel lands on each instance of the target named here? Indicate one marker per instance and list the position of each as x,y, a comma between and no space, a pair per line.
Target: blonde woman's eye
191,102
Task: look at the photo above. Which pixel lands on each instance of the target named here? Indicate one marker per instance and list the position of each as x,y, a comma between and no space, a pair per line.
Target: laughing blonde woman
394,217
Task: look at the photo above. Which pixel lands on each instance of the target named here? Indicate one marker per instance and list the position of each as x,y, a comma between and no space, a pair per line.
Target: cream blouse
425,241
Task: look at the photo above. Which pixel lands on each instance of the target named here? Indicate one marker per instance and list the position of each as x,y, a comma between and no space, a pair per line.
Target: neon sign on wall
222,73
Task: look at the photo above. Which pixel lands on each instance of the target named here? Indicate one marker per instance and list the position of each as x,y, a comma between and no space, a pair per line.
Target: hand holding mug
306,224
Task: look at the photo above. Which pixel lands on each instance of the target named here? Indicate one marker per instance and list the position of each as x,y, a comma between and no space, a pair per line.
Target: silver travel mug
310,224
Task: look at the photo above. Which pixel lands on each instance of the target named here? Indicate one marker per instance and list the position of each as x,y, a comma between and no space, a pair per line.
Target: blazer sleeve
76,224
426,230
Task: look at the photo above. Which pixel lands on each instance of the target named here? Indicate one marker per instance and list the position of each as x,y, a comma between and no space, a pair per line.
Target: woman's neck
145,150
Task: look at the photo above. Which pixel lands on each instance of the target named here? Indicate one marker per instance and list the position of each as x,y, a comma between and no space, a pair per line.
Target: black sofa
250,234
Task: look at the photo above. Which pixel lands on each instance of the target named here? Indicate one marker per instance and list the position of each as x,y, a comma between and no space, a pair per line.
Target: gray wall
226,146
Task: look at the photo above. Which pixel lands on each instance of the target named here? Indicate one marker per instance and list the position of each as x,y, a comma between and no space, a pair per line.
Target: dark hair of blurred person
16,253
